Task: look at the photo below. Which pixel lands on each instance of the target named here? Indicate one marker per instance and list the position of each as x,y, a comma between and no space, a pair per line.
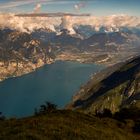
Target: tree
136,128
48,107
132,113
2,117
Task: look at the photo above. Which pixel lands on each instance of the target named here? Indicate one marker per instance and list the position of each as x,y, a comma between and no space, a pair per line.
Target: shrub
48,107
2,117
132,113
136,128
104,113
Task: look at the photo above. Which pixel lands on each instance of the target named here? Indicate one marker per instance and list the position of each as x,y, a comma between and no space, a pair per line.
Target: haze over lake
56,83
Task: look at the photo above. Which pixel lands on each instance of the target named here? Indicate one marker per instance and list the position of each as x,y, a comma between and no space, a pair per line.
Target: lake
56,83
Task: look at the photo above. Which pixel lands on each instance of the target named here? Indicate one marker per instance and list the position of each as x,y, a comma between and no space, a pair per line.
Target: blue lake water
56,83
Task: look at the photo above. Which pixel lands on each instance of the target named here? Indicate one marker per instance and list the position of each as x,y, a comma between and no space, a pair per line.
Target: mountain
114,41
102,41
44,35
88,30
114,88
23,52
64,40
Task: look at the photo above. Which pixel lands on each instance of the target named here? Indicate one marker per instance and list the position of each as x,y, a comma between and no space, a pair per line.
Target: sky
94,7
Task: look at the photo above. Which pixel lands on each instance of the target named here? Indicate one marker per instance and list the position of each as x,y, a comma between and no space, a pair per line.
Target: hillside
65,125
114,88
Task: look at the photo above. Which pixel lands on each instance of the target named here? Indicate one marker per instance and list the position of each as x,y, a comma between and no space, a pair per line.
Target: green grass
111,100
64,125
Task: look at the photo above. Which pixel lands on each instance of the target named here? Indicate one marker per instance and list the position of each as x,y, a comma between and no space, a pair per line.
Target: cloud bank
28,24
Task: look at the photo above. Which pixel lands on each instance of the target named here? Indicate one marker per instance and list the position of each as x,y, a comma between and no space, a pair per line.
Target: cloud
28,24
80,5
12,4
57,14
25,24
17,3
37,8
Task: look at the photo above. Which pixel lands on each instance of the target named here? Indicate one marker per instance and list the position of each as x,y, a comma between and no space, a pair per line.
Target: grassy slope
64,125
111,91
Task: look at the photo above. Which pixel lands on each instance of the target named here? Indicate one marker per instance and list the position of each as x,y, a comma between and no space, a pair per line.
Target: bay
56,83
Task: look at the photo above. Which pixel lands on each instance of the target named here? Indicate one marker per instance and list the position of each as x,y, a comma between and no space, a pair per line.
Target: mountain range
29,43
23,52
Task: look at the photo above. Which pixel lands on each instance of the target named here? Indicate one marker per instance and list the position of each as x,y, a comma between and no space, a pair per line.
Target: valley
22,53
103,58
56,82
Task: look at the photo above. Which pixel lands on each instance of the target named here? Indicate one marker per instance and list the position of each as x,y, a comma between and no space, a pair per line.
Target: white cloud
37,8
80,5
26,24
17,3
